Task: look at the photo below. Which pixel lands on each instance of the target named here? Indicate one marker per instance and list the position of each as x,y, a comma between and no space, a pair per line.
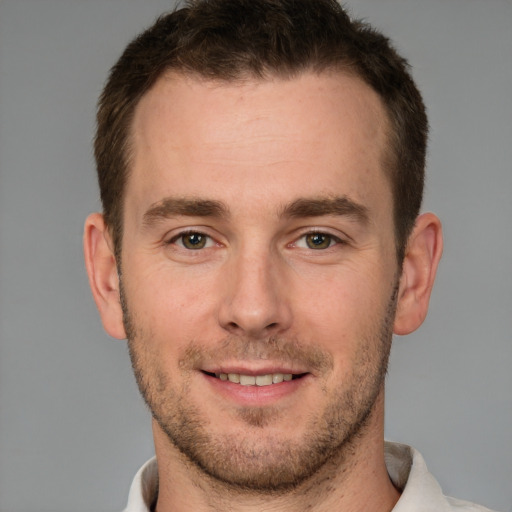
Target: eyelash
333,240
184,234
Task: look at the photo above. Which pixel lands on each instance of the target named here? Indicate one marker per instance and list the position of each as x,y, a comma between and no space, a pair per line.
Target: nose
254,298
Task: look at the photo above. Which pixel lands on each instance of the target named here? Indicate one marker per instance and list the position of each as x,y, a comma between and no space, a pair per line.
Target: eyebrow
321,206
302,207
189,207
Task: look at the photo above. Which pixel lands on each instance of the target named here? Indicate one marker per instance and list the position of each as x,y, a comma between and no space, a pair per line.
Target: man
261,170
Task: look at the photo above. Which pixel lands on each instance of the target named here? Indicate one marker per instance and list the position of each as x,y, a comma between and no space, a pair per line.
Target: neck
355,480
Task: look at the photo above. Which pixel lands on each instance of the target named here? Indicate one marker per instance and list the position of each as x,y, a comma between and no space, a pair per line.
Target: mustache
273,348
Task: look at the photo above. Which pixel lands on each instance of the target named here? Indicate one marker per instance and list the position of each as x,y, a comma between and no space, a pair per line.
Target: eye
192,240
317,241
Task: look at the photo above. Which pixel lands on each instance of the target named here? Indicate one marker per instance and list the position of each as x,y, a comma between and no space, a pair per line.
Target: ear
422,256
101,268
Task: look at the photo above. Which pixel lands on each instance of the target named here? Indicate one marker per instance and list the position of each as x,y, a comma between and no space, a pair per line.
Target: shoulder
144,488
466,506
419,489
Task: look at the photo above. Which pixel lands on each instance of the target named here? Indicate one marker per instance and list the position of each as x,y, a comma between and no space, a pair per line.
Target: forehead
316,131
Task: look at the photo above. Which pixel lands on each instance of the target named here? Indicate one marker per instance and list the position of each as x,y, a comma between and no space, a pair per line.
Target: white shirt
406,468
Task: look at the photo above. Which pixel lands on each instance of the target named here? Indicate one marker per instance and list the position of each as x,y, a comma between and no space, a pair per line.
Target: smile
250,388
257,380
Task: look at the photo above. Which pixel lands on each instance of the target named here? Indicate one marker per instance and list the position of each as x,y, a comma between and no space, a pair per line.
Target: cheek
158,286
341,310
171,307
346,290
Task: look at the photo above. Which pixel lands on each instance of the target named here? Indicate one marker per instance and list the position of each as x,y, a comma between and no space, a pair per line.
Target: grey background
73,429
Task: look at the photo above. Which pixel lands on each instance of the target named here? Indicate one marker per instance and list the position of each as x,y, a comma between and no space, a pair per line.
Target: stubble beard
256,461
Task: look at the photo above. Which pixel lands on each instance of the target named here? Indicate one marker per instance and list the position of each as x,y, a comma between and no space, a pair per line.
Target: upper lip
245,369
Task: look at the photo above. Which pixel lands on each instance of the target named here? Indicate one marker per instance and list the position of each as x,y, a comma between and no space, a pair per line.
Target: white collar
405,465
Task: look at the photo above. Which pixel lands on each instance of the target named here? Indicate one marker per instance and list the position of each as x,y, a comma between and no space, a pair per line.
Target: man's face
258,246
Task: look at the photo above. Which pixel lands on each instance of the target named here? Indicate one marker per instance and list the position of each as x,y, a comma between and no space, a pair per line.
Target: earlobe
422,256
101,268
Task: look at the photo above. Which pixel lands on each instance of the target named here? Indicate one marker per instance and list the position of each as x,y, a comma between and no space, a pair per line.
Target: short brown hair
233,39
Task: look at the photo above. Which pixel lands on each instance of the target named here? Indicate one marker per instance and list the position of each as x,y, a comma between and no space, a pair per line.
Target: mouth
268,379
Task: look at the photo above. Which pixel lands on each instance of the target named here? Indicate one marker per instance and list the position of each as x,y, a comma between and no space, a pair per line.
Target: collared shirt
405,465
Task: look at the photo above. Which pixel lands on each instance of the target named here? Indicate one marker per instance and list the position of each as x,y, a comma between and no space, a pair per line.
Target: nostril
233,326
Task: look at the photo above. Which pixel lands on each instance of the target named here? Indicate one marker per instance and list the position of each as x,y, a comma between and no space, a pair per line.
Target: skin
255,168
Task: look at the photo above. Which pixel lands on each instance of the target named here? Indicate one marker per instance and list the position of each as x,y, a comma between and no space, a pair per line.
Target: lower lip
255,395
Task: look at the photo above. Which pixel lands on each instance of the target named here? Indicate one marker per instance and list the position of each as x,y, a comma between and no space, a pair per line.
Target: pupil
318,241
195,239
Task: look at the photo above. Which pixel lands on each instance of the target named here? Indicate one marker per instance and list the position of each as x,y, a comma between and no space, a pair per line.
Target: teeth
247,380
263,380
277,378
251,380
234,377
